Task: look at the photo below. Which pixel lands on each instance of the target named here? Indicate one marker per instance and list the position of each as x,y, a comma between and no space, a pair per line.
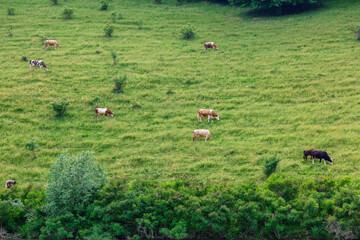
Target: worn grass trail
280,84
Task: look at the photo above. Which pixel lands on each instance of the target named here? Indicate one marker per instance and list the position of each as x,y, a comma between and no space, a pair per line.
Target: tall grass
280,84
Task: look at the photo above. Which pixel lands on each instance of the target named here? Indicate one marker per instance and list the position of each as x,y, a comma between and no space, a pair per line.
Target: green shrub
23,58
157,1
270,165
12,214
188,32
114,56
73,184
94,102
120,83
60,107
10,34
109,29
104,5
32,146
11,11
55,2
68,13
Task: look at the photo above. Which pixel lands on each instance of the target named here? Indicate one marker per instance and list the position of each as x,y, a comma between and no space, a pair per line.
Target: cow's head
330,161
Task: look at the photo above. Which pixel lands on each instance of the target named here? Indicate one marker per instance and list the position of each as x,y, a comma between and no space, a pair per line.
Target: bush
188,32
104,5
94,102
68,13
60,107
157,1
23,58
32,146
114,56
270,165
55,2
120,83
358,34
11,11
10,34
109,29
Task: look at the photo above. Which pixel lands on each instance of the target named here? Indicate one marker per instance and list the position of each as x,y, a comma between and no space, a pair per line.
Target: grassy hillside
280,84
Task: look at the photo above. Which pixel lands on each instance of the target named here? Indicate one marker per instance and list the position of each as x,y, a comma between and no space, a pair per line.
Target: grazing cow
39,63
317,154
210,45
9,183
100,111
201,133
51,43
207,113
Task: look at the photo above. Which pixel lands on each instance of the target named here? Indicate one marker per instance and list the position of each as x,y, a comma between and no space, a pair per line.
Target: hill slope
280,84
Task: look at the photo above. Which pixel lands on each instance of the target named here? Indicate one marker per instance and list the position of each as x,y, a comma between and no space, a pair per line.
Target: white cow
201,133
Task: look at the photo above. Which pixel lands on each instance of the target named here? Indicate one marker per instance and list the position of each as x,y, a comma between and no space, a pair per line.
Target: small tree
10,34
270,165
11,11
73,183
60,107
32,146
114,55
188,32
68,13
109,29
104,5
120,83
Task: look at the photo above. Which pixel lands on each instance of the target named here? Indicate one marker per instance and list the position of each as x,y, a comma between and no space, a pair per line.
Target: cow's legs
208,118
96,115
312,158
324,162
199,118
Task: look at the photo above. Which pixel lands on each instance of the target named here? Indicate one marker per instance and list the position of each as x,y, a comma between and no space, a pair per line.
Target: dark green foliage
32,146
60,107
270,165
120,83
55,2
283,208
157,1
104,5
23,58
11,11
94,102
188,32
136,106
109,29
68,13
140,24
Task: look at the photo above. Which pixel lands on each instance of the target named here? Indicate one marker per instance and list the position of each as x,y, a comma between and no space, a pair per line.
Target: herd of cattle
209,113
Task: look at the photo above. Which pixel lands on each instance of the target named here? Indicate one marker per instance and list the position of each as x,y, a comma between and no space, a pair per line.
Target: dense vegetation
283,208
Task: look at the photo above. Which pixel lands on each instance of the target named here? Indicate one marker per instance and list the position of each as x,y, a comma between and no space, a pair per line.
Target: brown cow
100,111
201,133
207,113
51,43
210,45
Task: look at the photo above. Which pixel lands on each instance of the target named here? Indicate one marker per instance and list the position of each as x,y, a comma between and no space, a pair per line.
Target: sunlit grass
280,84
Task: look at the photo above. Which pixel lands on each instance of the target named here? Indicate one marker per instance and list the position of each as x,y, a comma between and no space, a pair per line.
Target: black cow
317,154
39,63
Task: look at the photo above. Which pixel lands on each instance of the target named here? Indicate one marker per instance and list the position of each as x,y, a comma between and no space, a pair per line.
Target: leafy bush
11,11
94,102
109,29
55,2
270,165
10,34
114,56
120,83
188,32
60,107
157,1
23,58
32,146
68,13
104,5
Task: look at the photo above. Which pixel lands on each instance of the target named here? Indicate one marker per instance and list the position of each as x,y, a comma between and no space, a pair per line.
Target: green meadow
281,85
